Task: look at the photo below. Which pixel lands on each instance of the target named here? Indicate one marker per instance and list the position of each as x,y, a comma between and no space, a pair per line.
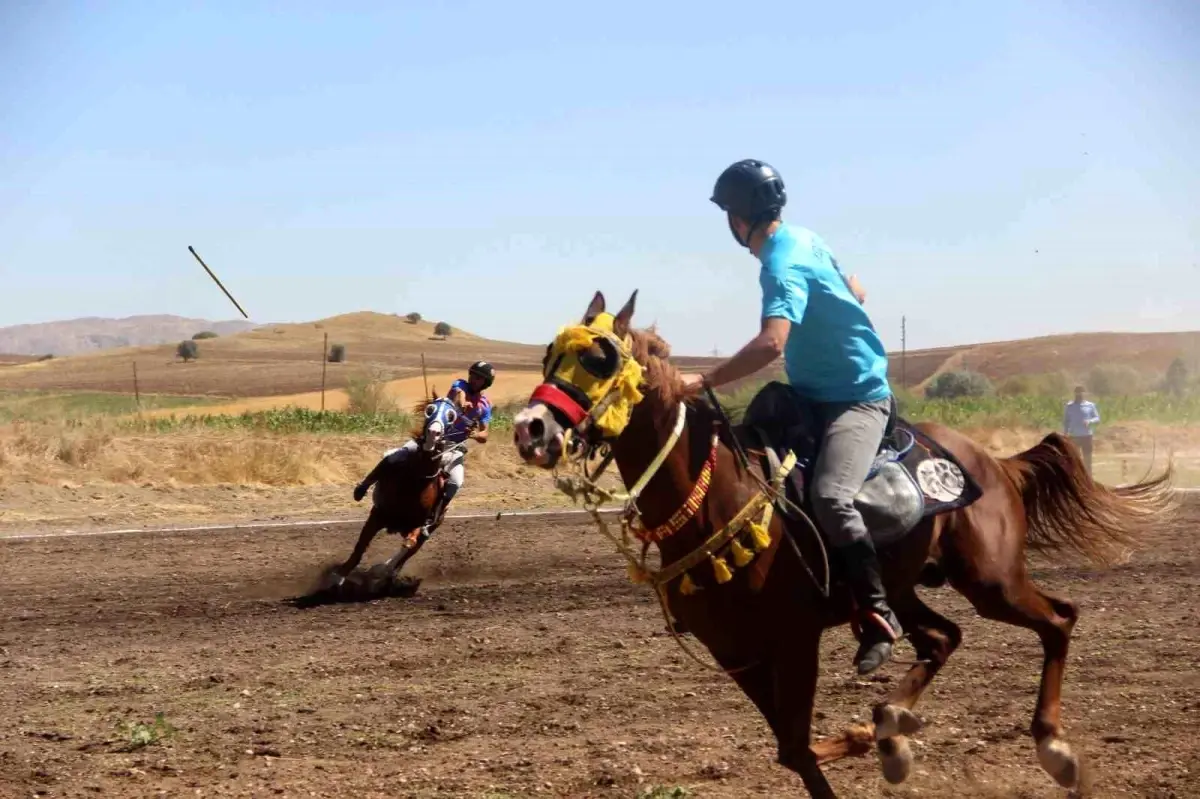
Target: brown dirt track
527,665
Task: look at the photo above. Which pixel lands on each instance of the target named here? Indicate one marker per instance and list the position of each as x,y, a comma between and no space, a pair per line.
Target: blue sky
998,172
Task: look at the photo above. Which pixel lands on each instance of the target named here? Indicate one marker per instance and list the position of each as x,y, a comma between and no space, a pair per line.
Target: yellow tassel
637,574
741,555
760,539
686,586
721,570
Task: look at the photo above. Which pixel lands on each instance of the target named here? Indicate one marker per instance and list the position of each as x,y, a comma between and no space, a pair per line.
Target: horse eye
601,359
430,410
451,416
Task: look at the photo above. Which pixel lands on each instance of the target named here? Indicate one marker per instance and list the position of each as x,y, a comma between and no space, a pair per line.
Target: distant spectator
1079,419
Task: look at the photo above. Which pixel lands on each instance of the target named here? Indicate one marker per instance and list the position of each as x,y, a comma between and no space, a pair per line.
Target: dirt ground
527,665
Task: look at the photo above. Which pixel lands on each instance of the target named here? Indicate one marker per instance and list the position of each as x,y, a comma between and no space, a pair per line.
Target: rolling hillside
1075,354
286,359
273,359
76,336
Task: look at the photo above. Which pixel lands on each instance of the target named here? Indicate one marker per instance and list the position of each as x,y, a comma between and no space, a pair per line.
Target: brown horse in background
764,625
405,493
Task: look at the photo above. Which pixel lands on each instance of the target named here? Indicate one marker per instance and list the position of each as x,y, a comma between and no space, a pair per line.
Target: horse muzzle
433,434
540,439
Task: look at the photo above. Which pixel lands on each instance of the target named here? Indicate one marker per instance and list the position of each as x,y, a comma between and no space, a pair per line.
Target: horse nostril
537,429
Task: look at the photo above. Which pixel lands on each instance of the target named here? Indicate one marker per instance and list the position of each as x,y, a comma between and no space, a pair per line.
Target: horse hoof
1059,761
893,720
895,759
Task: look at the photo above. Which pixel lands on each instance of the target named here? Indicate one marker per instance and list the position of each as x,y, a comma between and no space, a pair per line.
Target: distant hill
76,336
1074,354
274,359
285,359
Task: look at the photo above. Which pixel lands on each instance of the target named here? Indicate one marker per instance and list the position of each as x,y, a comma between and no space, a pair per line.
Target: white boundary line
206,528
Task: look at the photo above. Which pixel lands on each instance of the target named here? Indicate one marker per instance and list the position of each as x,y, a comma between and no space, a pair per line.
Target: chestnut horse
606,384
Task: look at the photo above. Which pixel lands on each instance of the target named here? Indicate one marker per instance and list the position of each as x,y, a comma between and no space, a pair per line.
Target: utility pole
324,365
903,352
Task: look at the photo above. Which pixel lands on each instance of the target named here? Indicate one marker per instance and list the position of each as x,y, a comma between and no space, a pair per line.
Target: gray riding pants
850,441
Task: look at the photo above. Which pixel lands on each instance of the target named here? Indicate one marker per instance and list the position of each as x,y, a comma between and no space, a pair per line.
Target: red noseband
560,401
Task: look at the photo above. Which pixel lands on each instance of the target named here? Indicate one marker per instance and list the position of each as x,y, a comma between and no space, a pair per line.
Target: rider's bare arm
481,433
760,353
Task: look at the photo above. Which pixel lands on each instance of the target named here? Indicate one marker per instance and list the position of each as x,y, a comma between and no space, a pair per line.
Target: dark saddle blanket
912,477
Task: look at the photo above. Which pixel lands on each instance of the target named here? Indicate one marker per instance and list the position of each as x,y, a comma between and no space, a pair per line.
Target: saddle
911,478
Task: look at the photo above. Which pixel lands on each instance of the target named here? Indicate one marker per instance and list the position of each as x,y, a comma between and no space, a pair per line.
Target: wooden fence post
324,365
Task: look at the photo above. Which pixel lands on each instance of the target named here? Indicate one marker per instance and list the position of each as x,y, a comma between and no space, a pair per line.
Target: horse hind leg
1021,603
935,638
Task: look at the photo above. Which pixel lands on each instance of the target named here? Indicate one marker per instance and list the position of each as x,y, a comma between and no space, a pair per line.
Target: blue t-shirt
833,353
481,413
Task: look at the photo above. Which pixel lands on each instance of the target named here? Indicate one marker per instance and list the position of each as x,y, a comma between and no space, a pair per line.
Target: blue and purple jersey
481,413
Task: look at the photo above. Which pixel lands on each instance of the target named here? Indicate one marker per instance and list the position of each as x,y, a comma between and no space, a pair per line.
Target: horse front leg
935,638
370,529
794,672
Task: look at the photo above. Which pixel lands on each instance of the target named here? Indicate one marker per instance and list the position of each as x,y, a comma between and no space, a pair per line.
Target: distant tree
188,350
413,318
442,329
203,334
1176,380
337,353
953,385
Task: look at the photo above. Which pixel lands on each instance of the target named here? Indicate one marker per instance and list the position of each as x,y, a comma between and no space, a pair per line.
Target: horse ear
624,316
595,309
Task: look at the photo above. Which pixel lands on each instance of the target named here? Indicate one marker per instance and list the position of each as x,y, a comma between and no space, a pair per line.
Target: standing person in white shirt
1079,419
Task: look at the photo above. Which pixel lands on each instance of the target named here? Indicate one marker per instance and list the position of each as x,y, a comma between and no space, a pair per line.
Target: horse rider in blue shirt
812,315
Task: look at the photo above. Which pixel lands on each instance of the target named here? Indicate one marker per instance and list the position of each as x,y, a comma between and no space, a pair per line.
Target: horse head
591,385
440,416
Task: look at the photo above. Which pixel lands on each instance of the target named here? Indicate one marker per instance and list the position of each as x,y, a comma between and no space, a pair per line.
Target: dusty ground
92,477
511,386
527,665
208,477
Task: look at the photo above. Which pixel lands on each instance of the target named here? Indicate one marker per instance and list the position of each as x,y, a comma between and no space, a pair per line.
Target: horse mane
662,378
417,412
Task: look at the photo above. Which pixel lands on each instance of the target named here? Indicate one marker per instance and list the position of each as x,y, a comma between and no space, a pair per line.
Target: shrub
188,350
442,329
1176,381
337,353
1016,386
953,385
1115,380
1051,384
368,395
413,318
203,334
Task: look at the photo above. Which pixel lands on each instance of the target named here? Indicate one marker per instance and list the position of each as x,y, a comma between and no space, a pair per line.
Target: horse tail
1066,510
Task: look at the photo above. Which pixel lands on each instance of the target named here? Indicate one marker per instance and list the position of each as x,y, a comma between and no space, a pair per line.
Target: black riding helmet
751,190
483,369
